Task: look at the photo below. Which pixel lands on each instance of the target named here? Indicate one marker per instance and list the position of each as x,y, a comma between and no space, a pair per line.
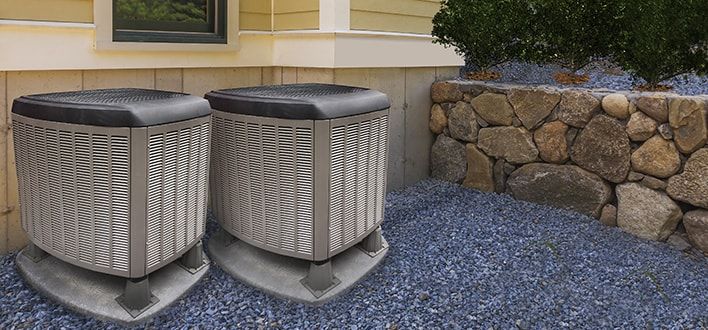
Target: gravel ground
603,75
459,258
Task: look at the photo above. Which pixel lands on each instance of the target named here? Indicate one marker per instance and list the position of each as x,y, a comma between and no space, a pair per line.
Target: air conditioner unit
113,181
300,171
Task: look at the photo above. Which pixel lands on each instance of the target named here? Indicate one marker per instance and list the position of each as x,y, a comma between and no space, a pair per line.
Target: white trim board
68,46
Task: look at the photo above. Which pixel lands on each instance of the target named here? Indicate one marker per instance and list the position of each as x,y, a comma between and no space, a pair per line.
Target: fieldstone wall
634,160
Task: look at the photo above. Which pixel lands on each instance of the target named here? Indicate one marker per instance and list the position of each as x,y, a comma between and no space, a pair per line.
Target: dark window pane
169,20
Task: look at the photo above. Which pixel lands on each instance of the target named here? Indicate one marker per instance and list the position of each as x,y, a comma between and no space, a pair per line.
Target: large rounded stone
448,159
500,176
696,223
665,131
653,183
646,213
474,88
603,148
634,176
514,144
438,119
462,122
656,157
616,105
576,108
641,127
494,109
687,117
532,105
480,173
691,186
551,142
608,217
562,186
653,106
444,91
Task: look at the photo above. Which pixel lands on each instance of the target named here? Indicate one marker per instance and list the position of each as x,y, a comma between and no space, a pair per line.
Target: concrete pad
280,276
94,294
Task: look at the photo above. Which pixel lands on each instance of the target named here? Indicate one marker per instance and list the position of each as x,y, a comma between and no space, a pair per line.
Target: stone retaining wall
634,160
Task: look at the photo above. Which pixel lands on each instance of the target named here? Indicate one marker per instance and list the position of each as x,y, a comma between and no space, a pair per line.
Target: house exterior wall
63,45
405,16
408,89
255,14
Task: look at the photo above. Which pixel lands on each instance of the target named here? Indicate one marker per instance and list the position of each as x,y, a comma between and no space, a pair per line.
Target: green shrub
660,39
485,32
571,33
652,39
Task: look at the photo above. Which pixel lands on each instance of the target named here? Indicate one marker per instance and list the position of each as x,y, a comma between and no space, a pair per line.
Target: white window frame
103,20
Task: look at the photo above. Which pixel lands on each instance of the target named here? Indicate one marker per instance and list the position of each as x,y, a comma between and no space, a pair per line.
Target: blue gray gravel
459,259
603,75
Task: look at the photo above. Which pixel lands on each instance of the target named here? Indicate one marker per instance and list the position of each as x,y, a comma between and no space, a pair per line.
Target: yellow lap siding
290,6
402,7
254,21
255,15
407,16
79,11
372,21
296,15
297,21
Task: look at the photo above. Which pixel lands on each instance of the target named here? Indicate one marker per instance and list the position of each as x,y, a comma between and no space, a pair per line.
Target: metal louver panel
263,181
75,191
176,191
357,179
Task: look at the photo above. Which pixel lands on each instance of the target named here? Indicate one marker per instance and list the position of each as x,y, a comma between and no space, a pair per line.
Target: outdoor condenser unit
113,180
300,170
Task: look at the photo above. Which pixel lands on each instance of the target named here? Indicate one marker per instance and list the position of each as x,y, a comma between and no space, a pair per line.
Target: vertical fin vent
177,179
74,193
263,183
357,185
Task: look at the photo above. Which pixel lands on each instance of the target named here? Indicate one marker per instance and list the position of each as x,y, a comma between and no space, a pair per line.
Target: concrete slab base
94,294
281,276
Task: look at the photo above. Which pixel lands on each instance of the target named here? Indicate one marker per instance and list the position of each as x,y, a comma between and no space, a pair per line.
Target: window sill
46,24
164,46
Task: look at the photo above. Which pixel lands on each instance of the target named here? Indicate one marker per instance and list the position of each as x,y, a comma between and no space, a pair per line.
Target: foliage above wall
660,39
654,40
480,32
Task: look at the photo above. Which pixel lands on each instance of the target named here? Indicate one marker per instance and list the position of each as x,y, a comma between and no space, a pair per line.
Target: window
177,21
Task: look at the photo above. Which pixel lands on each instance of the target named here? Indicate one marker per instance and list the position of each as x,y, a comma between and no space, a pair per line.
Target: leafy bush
651,39
485,32
571,33
660,39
